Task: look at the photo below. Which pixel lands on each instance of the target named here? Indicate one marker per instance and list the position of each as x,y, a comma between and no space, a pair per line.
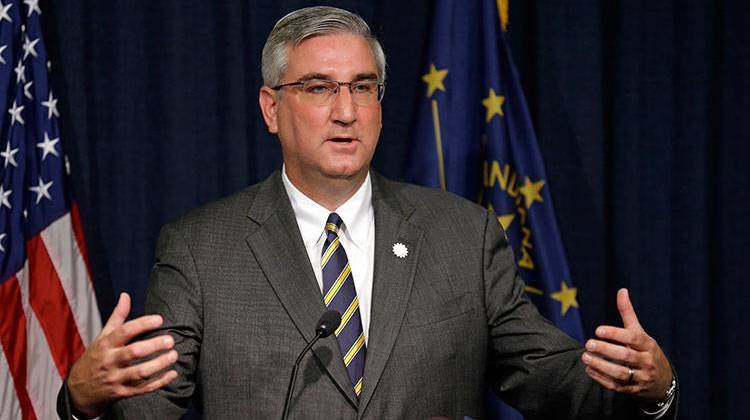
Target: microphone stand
295,369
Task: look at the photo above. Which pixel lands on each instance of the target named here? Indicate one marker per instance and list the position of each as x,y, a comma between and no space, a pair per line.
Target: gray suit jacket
237,292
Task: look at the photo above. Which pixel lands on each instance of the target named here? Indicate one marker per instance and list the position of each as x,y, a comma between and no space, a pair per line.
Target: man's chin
347,174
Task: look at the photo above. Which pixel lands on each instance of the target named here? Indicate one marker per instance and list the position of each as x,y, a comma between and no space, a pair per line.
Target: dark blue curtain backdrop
642,111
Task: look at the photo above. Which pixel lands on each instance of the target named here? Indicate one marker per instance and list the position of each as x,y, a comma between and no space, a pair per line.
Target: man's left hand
627,359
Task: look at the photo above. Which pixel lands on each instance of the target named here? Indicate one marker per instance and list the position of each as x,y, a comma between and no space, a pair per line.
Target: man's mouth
341,139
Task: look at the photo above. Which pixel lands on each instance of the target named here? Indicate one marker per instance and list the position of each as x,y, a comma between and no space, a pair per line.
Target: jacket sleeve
174,292
532,365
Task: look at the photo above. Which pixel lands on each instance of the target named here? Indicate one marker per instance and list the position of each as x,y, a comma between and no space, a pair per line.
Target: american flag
48,311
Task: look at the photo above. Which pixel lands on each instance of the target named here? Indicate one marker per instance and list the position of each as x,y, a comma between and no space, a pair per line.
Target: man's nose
343,109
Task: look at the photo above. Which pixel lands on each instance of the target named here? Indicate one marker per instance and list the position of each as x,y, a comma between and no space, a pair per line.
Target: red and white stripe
48,315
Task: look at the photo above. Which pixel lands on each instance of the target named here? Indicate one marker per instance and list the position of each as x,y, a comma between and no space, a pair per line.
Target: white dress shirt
357,235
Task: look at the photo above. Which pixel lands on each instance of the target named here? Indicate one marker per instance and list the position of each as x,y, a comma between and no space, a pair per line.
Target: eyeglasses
323,92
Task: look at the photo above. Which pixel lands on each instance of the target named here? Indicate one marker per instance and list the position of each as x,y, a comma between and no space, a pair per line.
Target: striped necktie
339,294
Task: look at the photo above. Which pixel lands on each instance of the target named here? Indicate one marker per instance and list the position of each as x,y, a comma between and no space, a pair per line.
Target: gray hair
309,22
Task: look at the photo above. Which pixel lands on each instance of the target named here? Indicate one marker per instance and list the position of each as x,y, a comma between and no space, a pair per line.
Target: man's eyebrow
311,76
365,76
321,76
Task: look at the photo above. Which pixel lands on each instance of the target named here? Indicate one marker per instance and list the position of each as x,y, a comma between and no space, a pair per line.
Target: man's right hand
108,371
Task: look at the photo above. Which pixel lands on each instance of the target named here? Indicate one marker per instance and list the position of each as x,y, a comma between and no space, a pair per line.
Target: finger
603,380
627,313
145,348
145,370
611,370
119,314
144,387
161,381
636,339
620,354
132,329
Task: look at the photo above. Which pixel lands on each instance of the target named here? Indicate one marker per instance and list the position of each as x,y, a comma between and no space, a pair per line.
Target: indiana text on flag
473,136
48,311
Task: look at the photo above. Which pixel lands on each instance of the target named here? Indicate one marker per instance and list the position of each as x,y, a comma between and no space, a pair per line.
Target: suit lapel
278,248
392,280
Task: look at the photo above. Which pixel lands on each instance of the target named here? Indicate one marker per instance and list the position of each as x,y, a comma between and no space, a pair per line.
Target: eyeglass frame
379,95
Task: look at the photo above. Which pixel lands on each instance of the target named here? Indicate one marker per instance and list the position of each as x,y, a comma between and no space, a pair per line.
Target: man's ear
268,107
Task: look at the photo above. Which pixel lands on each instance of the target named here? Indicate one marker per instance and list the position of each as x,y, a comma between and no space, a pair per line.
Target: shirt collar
311,217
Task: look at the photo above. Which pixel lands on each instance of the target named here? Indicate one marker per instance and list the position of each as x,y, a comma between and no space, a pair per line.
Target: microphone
329,321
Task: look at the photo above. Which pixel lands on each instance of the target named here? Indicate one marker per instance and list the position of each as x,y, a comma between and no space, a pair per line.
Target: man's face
324,142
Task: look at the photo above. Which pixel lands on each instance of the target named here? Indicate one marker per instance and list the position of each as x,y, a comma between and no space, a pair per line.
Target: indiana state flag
473,136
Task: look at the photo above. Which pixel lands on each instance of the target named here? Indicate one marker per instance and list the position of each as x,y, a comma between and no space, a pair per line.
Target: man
432,307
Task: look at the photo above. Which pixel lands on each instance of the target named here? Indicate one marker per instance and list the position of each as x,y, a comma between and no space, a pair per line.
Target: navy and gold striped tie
339,294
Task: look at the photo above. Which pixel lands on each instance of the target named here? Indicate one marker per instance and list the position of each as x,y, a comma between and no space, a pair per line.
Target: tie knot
333,223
